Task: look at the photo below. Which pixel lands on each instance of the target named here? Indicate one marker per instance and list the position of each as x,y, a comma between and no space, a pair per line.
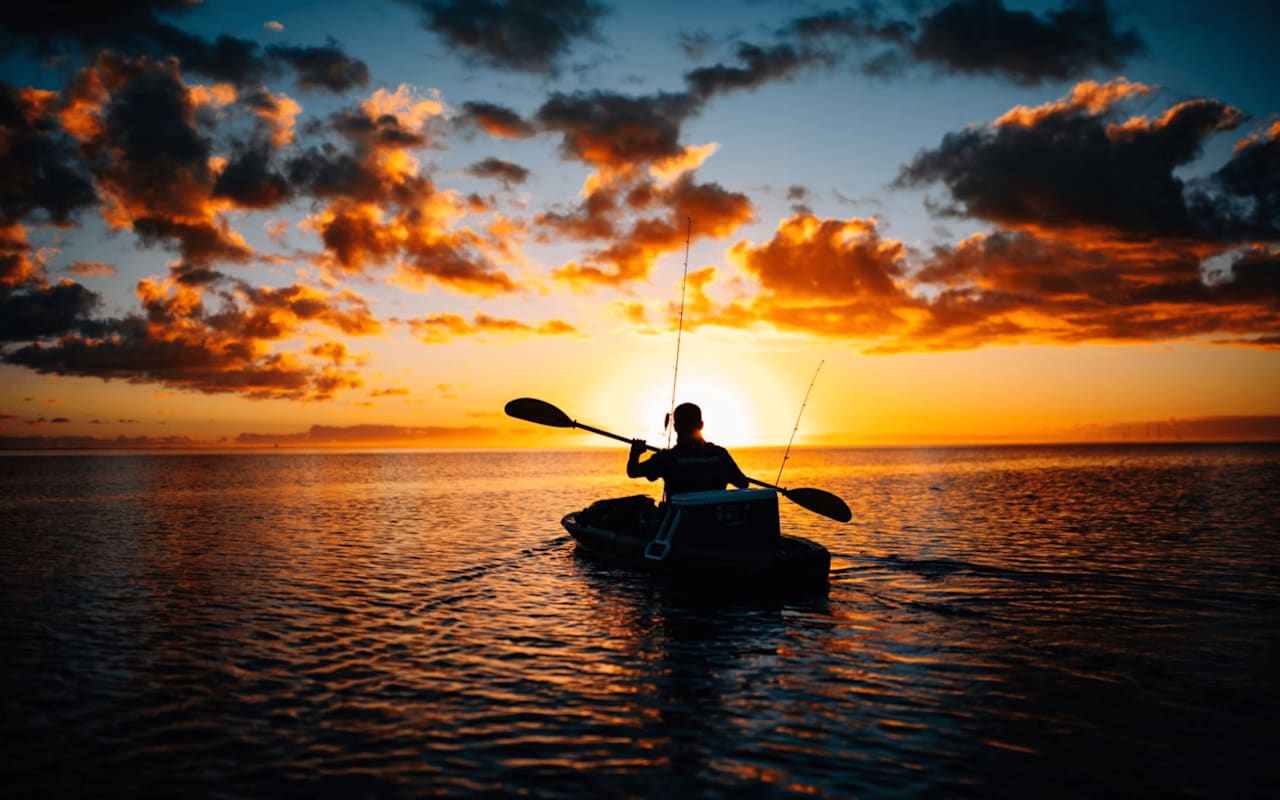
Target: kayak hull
622,532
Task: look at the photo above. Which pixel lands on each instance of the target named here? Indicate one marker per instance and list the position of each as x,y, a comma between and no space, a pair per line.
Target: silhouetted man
693,465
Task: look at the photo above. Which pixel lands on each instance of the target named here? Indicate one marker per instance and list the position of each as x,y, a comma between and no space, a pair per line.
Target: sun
728,417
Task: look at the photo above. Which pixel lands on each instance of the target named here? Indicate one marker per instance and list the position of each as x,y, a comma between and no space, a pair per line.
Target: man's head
687,419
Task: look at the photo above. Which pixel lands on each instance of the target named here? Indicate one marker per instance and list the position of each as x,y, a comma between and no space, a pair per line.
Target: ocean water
1001,622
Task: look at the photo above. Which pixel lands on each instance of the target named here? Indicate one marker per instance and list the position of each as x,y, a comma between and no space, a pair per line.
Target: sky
869,223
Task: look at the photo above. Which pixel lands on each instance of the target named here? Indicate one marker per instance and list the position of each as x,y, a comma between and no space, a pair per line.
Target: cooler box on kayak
733,518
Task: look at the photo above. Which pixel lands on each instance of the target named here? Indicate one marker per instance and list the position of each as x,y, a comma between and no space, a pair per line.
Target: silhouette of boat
718,541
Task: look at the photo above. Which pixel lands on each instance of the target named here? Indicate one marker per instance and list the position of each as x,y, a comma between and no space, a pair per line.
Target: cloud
16,265
836,278
640,166
1021,46
92,269
94,442
383,210
1250,181
249,179
824,259
34,311
320,435
1079,163
841,279
633,250
511,34
207,365
273,25
141,27
978,37
495,120
143,133
443,327
504,171
41,175
324,67
184,341
759,65
614,131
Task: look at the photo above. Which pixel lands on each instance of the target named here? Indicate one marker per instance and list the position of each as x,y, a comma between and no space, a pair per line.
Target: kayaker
693,465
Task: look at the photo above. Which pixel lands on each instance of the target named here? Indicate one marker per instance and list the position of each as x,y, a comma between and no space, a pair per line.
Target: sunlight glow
727,411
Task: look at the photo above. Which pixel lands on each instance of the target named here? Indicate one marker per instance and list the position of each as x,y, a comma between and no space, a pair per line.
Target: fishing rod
675,373
805,402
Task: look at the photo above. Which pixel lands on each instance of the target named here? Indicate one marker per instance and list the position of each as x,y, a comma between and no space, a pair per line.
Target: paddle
540,412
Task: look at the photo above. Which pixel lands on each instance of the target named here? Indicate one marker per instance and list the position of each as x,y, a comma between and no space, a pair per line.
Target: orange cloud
825,259
382,210
716,213
1088,96
442,327
841,279
16,266
183,342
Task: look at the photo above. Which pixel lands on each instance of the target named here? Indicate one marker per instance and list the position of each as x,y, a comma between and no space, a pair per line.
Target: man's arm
634,468
736,477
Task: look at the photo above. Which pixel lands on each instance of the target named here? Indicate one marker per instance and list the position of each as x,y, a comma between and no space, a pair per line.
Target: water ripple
1001,622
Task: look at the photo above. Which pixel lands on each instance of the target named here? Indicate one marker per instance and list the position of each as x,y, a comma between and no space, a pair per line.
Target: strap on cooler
660,547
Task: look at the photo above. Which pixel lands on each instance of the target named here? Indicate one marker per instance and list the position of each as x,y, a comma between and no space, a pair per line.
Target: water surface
1062,621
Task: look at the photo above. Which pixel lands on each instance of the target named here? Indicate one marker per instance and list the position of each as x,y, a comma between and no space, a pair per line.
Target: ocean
1064,621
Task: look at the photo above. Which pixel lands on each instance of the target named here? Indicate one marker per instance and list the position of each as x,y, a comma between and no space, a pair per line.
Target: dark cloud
39,168
856,24
596,217
694,45
146,27
199,243
369,434
374,131
210,367
225,58
187,343
504,171
1075,163
150,155
325,67
1250,181
980,37
984,37
526,35
615,130
249,180
496,120
32,312
128,23
758,66
327,172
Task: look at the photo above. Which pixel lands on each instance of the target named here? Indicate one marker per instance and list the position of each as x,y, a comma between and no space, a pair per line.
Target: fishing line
787,453
675,376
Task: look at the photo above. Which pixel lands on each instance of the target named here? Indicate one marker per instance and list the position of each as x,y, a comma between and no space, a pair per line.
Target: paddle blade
820,502
539,412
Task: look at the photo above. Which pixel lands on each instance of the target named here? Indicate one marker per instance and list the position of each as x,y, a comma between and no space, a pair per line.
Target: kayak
720,540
